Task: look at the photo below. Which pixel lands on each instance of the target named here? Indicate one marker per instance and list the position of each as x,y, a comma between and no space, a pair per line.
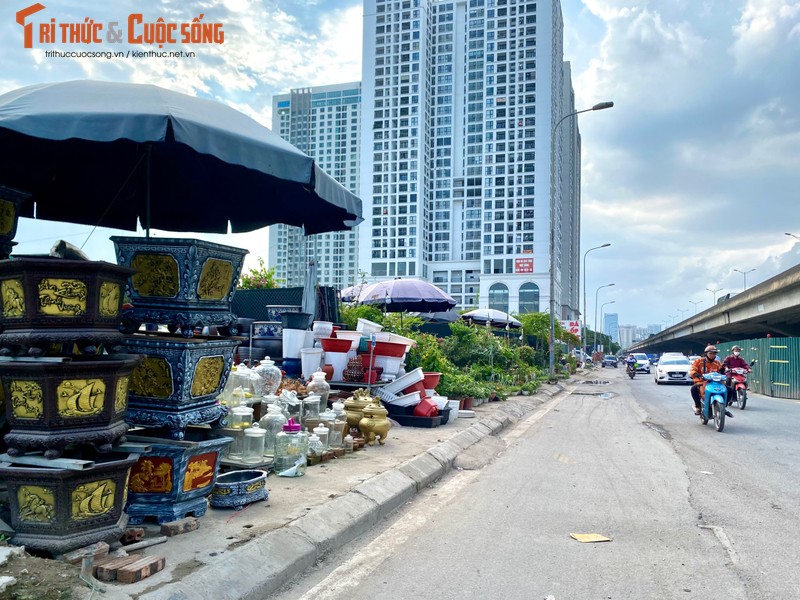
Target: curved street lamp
797,237
594,333
553,130
584,315
695,304
681,311
744,274
603,314
714,291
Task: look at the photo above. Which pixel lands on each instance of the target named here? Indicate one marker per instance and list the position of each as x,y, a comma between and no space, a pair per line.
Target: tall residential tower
460,98
325,123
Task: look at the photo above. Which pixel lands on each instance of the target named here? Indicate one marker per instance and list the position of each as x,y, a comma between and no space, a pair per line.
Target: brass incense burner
374,425
354,407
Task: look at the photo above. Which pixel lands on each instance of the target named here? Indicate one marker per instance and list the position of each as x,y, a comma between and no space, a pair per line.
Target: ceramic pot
179,282
45,301
58,510
50,405
236,489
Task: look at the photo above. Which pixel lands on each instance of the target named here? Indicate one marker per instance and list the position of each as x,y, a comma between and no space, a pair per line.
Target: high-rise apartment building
325,123
611,326
460,99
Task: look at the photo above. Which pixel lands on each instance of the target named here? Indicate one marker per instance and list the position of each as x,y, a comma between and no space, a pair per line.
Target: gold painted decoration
13,298
152,378
93,499
27,399
62,297
80,397
207,375
200,471
110,294
157,275
216,279
36,503
8,214
151,475
253,487
121,395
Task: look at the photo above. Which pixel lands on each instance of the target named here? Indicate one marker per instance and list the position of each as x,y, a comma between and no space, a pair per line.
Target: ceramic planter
49,405
45,301
239,488
178,381
182,283
174,478
58,510
10,200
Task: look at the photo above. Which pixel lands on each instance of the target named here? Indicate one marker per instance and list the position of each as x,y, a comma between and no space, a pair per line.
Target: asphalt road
690,513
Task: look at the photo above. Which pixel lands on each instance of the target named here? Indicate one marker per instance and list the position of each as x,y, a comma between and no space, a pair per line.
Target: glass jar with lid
269,375
339,425
240,417
319,386
292,405
310,411
315,449
253,445
328,419
322,431
291,451
273,423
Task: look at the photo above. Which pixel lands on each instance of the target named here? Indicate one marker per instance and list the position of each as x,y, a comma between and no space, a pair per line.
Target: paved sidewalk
251,553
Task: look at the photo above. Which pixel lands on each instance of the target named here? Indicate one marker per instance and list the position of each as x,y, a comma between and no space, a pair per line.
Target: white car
642,362
672,369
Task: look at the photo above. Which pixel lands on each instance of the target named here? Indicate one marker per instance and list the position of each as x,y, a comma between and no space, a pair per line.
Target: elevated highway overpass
769,308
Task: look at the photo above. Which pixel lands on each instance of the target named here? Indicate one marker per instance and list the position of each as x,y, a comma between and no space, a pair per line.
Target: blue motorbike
715,399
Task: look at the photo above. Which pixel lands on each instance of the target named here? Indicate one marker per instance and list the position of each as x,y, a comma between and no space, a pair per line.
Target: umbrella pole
147,192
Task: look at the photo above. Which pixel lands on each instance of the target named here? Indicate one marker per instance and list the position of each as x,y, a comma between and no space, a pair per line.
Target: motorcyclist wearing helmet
630,362
708,363
733,361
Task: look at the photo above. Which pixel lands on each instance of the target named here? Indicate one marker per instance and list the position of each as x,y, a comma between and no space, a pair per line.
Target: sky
692,177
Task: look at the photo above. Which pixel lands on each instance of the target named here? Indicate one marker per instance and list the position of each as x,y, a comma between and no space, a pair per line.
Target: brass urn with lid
374,425
354,407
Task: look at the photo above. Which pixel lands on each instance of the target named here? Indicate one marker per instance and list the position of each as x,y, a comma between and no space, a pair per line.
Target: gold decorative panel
110,294
152,378
8,213
27,399
80,397
151,475
121,395
13,298
36,503
62,297
207,374
93,499
157,275
216,279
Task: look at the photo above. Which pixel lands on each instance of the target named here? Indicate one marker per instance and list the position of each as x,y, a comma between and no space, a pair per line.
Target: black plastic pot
296,320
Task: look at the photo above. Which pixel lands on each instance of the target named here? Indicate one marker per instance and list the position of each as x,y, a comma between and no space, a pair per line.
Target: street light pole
695,304
744,274
715,294
585,315
671,321
594,333
797,237
681,311
603,314
553,130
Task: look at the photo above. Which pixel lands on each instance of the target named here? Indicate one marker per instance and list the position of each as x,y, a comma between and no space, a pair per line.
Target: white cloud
766,28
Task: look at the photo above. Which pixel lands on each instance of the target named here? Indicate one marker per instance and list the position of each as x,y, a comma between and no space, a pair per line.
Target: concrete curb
262,566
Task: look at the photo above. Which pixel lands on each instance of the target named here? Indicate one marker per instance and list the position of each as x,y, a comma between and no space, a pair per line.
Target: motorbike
737,381
631,369
715,399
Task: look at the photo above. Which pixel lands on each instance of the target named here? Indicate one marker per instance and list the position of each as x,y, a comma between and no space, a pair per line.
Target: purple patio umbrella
400,295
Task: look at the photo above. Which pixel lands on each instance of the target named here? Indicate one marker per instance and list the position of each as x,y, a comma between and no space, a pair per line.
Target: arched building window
498,297
529,298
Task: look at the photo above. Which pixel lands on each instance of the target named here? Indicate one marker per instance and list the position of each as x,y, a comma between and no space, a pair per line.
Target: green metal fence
777,368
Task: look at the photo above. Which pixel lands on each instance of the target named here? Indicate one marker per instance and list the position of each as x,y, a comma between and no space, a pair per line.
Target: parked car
609,360
672,369
642,362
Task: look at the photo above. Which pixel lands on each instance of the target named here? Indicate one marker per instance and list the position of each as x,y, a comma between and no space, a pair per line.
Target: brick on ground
107,570
142,568
180,526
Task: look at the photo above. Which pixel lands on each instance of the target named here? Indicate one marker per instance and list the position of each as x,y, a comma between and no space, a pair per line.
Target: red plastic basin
390,349
335,344
431,380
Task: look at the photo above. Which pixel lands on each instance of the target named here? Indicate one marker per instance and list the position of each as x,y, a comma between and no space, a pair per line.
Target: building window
529,298
498,297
